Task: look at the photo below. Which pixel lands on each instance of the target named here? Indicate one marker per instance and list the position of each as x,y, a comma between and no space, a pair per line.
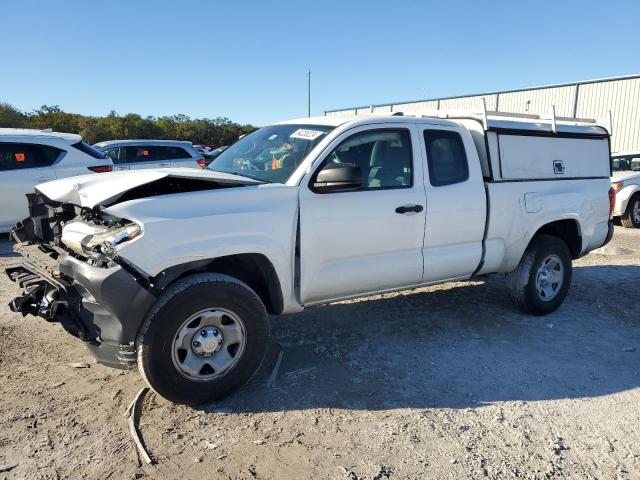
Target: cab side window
17,156
384,157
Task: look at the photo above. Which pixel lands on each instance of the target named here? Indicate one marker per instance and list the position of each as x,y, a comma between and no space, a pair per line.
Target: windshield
629,163
270,154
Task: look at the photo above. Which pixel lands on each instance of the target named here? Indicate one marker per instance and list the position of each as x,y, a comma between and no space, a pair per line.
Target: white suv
30,157
135,154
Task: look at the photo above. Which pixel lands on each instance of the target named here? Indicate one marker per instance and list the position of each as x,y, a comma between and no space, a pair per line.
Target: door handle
44,179
164,164
409,208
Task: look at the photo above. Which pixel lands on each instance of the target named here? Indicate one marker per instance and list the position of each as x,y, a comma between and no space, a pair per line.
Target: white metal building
586,99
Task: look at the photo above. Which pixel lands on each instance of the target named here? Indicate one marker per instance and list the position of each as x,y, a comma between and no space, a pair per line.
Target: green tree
11,117
52,116
217,131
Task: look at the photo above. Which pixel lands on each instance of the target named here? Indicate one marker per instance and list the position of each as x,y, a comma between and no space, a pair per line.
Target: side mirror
338,177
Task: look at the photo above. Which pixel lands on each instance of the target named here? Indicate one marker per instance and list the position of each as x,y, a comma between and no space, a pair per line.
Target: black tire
522,281
186,297
629,219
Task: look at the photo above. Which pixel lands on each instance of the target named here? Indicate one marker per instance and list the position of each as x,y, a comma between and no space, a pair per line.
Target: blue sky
247,59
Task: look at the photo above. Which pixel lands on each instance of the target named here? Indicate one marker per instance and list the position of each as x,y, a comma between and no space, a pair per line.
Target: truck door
368,239
456,203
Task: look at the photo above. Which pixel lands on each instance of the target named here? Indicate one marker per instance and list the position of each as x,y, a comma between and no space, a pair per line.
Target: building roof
434,99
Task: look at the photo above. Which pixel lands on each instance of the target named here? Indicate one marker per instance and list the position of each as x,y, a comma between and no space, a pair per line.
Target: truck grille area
57,301
102,306
100,302
38,293
47,298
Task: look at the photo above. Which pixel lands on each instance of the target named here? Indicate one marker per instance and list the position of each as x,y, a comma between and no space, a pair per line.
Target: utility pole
308,92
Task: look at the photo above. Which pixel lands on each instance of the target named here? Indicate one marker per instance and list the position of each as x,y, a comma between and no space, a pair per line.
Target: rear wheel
205,336
631,217
540,282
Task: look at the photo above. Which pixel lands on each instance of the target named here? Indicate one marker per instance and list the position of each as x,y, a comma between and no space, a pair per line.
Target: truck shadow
454,346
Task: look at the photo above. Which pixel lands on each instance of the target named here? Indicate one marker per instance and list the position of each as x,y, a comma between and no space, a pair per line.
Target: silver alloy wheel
208,344
549,277
636,212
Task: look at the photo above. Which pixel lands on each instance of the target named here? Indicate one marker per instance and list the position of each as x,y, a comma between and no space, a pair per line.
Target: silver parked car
136,154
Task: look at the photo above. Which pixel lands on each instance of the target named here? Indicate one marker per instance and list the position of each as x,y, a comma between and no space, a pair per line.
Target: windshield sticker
305,134
273,137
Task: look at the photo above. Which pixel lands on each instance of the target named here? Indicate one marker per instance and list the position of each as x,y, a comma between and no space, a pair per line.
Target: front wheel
540,282
205,336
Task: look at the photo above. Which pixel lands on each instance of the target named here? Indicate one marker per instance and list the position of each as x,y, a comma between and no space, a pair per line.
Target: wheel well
566,230
254,269
630,200
633,196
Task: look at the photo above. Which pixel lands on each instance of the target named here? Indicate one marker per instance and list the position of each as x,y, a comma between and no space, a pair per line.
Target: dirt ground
445,382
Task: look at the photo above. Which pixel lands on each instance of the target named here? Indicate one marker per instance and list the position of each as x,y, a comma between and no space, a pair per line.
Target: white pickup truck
176,270
626,183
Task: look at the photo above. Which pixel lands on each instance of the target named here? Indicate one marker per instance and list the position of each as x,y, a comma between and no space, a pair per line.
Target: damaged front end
72,274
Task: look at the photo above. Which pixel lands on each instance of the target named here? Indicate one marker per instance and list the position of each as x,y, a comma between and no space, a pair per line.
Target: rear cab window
446,157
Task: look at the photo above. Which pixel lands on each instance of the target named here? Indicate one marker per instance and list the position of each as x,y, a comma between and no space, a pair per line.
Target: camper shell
514,147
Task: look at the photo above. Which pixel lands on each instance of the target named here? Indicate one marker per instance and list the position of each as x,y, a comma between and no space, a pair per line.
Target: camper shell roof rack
496,120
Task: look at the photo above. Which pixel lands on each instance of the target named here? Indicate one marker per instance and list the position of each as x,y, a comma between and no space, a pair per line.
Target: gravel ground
445,382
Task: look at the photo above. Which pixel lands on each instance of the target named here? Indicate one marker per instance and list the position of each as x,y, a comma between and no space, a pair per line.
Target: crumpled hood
624,175
105,188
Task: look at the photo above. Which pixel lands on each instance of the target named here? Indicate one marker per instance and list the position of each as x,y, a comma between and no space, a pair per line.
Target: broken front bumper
104,307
